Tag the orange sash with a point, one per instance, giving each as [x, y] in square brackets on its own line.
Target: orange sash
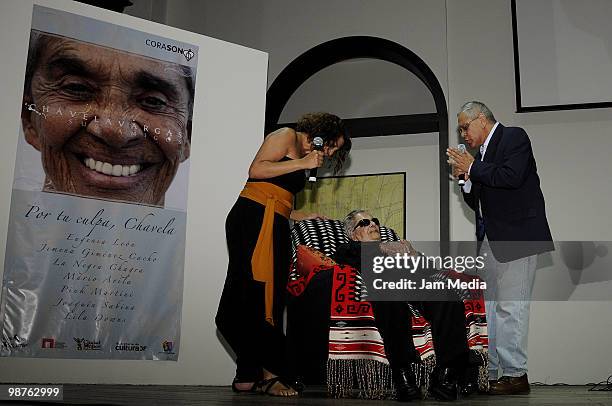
[276, 200]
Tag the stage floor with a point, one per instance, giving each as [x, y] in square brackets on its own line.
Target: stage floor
[141, 395]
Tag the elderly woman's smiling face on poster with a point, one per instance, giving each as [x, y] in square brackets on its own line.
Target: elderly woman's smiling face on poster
[108, 124]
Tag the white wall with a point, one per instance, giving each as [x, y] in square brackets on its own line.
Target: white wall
[289, 28]
[356, 88]
[152, 10]
[568, 340]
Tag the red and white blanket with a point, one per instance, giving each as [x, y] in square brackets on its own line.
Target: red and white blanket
[357, 359]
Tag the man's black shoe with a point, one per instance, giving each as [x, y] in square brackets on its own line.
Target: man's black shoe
[405, 385]
[443, 384]
[468, 381]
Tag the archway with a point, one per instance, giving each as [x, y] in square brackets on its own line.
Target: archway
[342, 49]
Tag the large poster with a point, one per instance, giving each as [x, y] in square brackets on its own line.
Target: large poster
[95, 251]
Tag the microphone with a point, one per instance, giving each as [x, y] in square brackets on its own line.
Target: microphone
[461, 181]
[317, 145]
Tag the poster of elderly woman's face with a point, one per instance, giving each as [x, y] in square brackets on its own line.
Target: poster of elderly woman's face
[96, 243]
[108, 123]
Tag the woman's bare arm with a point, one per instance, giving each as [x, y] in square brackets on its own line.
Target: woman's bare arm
[277, 145]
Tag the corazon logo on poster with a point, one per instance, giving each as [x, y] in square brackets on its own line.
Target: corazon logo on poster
[187, 53]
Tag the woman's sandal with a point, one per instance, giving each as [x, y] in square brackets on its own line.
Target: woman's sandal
[235, 388]
[265, 385]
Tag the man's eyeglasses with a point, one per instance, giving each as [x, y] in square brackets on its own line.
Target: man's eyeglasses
[366, 222]
[464, 128]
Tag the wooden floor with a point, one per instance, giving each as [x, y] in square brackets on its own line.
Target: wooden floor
[222, 395]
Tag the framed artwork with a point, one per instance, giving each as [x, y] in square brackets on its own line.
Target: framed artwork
[383, 195]
[562, 54]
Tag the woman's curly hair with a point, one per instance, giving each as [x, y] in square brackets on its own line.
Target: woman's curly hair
[331, 129]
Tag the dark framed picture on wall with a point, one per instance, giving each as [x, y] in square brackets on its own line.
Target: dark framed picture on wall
[562, 54]
[383, 194]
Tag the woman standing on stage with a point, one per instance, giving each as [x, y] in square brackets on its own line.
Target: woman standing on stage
[250, 314]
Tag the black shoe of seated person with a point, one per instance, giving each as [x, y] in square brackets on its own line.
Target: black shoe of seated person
[405, 385]
[468, 381]
[443, 384]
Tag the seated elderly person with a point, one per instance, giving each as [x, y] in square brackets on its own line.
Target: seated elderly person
[393, 320]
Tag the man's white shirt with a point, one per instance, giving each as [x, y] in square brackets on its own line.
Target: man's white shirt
[483, 149]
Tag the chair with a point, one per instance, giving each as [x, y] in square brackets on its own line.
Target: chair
[356, 364]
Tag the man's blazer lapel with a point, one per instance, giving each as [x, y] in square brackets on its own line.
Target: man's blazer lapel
[494, 143]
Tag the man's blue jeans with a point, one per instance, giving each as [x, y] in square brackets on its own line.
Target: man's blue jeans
[507, 301]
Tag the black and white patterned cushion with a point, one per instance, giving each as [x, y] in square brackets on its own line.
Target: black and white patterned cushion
[325, 236]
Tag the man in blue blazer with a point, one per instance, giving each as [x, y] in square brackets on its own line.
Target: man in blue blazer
[503, 188]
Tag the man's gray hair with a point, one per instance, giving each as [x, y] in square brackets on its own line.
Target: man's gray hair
[350, 221]
[473, 108]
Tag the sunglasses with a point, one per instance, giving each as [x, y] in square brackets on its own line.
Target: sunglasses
[366, 222]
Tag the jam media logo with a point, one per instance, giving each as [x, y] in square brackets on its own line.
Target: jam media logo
[186, 52]
[129, 347]
[51, 343]
[168, 347]
[14, 342]
[83, 344]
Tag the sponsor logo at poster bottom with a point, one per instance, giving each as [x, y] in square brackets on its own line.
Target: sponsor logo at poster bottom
[129, 347]
[52, 343]
[14, 342]
[83, 344]
[168, 347]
